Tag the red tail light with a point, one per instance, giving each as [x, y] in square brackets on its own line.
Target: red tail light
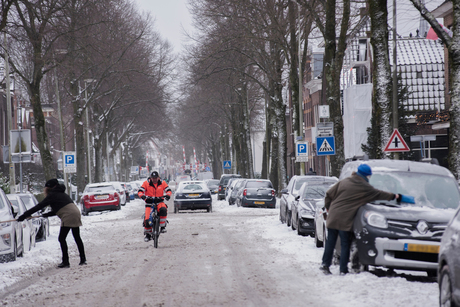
[220, 188]
[245, 192]
[273, 193]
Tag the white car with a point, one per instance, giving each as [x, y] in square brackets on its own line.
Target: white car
[28, 228]
[121, 191]
[11, 245]
[320, 224]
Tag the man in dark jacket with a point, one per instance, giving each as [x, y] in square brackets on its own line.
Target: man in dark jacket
[342, 202]
[62, 206]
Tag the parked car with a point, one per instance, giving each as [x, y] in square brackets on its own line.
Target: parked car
[131, 190]
[121, 191]
[228, 191]
[11, 243]
[404, 236]
[100, 197]
[213, 185]
[289, 194]
[125, 187]
[42, 224]
[320, 224]
[304, 206]
[256, 193]
[223, 182]
[28, 228]
[449, 264]
[192, 195]
[233, 189]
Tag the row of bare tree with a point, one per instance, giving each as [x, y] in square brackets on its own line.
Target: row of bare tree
[245, 61]
[112, 72]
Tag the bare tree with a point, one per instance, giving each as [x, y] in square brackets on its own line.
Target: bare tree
[453, 48]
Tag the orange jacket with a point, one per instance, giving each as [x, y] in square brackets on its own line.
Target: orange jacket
[154, 190]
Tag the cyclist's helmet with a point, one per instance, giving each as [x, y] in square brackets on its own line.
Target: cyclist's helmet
[154, 174]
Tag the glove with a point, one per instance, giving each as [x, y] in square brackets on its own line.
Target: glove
[143, 197]
[21, 218]
[167, 197]
[149, 200]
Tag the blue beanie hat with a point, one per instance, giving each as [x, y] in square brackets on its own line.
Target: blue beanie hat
[364, 170]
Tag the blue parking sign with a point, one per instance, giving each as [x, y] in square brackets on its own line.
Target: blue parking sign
[69, 159]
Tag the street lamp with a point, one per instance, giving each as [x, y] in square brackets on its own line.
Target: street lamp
[87, 128]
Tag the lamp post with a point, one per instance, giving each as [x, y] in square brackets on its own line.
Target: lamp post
[61, 130]
[10, 122]
[87, 129]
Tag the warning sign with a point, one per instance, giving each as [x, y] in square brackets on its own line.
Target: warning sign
[325, 146]
[396, 143]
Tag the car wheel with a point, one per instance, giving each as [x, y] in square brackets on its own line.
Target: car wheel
[288, 218]
[44, 233]
[318, 243]
[175, 209]
[292, 222]
[356, 264]
[210, 208]
[445, 288]
[13, 256]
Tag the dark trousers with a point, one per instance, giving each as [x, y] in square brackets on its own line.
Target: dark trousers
[345, 241]
[65, 250]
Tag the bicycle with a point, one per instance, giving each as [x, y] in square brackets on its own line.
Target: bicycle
[154, 219]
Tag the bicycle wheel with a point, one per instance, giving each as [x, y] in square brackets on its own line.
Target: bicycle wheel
[156, 232]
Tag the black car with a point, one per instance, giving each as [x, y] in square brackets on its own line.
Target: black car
[192, 195]
[304, 206]
[289, 194]
[449, 264]
[42, 224]
[403, 236]
[213, 185]
[223, 184]
[256, 193]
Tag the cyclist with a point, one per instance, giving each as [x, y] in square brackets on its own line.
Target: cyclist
[154, 187]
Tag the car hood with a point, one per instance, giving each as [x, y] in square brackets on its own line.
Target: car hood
[413, 213]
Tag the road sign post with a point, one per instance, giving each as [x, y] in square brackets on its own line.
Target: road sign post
[70, 162]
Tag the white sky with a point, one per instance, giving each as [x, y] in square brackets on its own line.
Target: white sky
[171, 18]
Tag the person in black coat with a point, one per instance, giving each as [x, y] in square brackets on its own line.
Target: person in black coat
[62, 206]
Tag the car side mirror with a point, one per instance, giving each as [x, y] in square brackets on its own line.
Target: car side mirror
[319, 205]
[284, 191]
[297, 197]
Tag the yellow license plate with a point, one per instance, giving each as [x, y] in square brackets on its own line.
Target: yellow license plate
[102, 196]
[194, 195]
[421, 248]
[259, 203]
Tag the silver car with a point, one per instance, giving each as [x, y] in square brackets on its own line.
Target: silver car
[11, 243]
[27, 226]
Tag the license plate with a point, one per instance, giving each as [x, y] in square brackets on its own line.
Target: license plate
[193, 195]
[421, 248]
[101, 196]
[259, 203]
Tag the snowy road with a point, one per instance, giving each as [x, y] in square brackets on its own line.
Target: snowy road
[230, 257]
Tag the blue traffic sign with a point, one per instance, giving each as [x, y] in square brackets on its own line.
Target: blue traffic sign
[69, 159]
[325, 146]
[302, 149]
[227, 164]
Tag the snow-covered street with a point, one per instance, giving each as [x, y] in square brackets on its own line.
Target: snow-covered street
[230, 257]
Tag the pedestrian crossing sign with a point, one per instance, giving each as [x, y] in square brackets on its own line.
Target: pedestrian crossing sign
[227, 164]
[325, 146]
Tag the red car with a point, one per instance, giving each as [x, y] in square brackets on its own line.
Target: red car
[99, 197]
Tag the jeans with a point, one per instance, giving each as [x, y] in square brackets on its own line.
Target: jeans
[345, 241]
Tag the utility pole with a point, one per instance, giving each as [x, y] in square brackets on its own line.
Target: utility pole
[61, 130]
[395, 78]
[302, 164]
[10, 120]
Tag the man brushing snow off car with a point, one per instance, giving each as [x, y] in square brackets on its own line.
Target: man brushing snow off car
[342, 202]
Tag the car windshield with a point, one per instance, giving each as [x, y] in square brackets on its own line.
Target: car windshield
[192, 187]
[213, 182]
[316, 191]
[428, 190]
[98, 189]
[258, 184]
[28, 201]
